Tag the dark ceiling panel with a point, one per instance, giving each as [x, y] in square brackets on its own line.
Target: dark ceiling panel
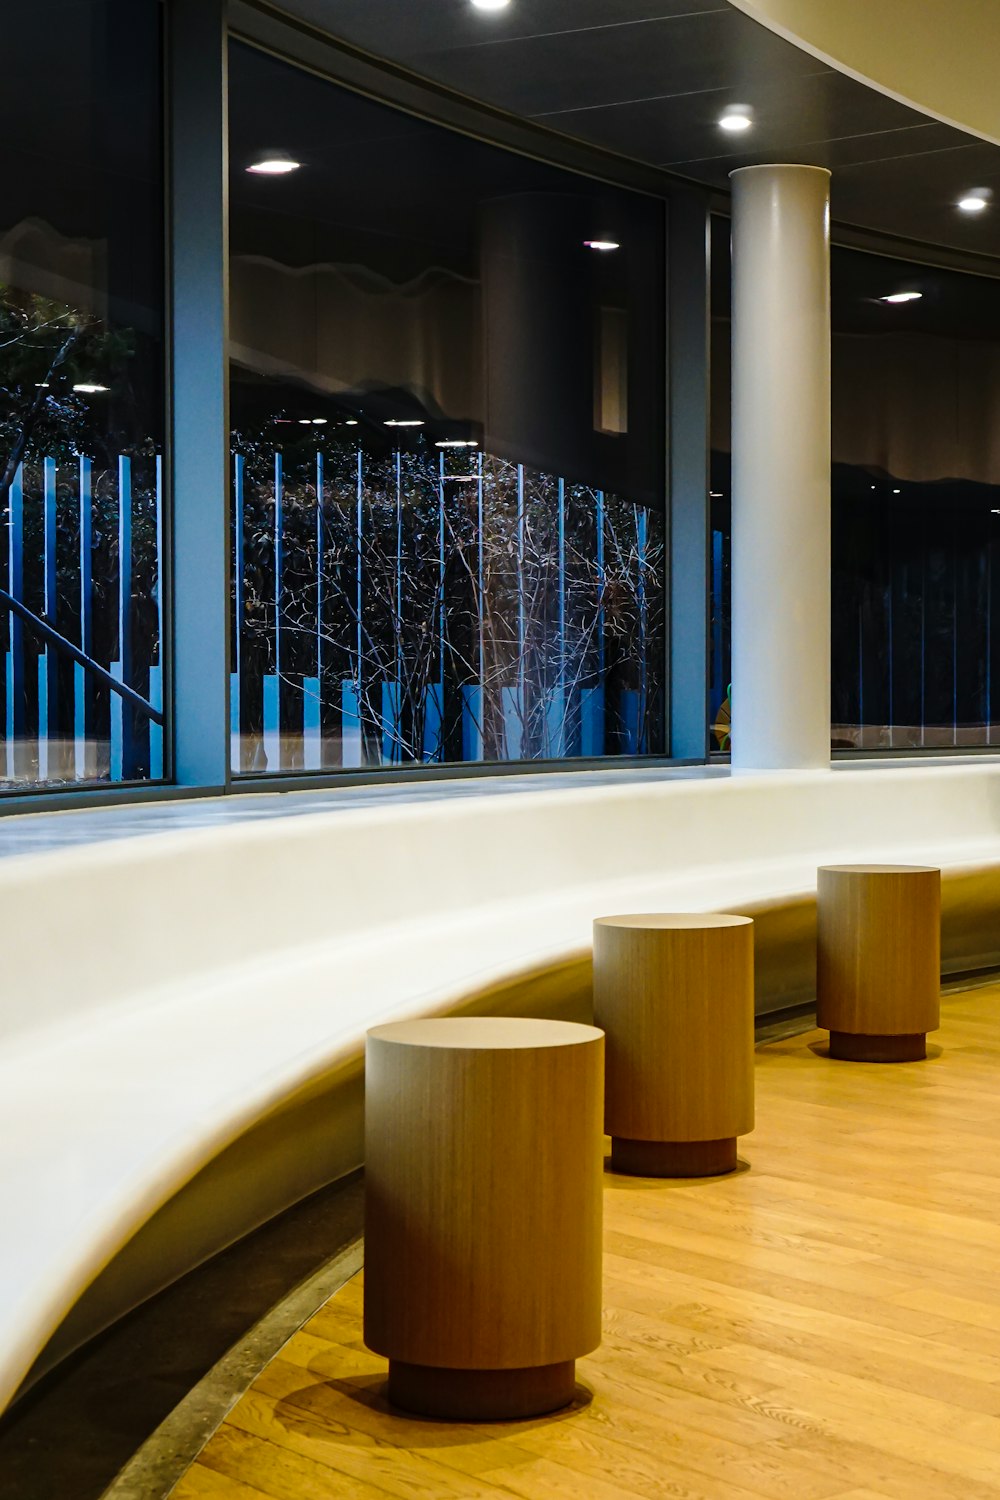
[649, 79]
[686, 55]
[835, 154]
[796, 118]
[410, 29]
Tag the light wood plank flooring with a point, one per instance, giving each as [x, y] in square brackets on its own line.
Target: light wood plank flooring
[825, 1324]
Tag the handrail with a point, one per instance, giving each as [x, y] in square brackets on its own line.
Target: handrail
[50, 635]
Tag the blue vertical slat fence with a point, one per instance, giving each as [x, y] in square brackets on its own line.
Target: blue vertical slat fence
[392, 749]
[601, 579]
[631, 723]
[126, 714]
[49, 727]
[61, 742]
[350, 721]
[272, 734]
[555, 707]
[579, 714]
[272, 684]
[239, 588]
[320, 560]
[156, 767]
[312, 687]
[572, 716]
[513, 706]
[352, 734]
[641, 547]
[472, 722]
[433, 749]
[568, 716]
[312, 743]
[592, 720]
[592, 699]
[433, 746]
[17, 716]
[513, 727]
[392, 692]
[473, 697]
[84, 727]
[399, 567]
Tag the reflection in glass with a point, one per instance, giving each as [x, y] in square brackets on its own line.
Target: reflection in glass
[81, 407]
[915, 504]
[448, 446]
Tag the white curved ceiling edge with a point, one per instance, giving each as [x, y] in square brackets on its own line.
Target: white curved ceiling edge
[939, 56]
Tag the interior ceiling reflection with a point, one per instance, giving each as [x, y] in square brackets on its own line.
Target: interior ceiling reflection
[916, 385]
[70, 192]
[408, 272]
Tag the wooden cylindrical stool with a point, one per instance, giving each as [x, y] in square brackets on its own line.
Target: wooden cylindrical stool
[878, 960]
[674, 993]
[483, 1212]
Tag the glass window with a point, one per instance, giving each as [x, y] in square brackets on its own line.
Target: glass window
[915, 503]
[81, 392]
[720, 502]
[447, 409]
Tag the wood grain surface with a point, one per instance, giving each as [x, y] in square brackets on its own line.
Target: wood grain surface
[483, 1185]
[674, 993]
[825, 1327]
[878, 949]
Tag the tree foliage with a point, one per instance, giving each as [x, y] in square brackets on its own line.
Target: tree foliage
[471, 586]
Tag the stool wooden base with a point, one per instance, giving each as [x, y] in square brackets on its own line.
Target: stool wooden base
[673, 1158]
[481, 1395]
[850, 1046]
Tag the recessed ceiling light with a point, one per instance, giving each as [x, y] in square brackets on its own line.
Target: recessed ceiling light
[91, 390]
[491, 4]
[396, 422]
[320, 421]
[975, 201]
[305, 422]
[602, 244]
[738, 117]
[897, 492]
[351, 422]
[456, 443]
[274, 166]
[902, 297]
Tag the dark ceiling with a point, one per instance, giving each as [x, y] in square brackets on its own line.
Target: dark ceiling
[649, 79]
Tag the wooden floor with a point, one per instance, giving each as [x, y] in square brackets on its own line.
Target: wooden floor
[825, 1323]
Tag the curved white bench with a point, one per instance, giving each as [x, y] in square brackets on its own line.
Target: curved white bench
[183, 1014]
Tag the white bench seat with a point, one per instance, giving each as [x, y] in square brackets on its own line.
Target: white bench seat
[113, 1100]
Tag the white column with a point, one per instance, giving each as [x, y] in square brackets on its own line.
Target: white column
[781, 468]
